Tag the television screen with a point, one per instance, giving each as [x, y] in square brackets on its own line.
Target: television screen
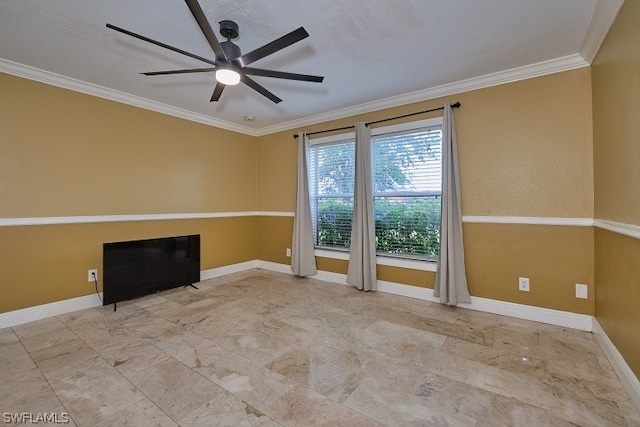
[140, 267]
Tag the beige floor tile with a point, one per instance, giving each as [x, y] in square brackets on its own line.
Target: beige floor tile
[304, 407]
[14, 359]
[7, 336]
[550, 394]
[102, 333]
[490, 356]
[142, 413]
[211, 327]
[256, 346]
[174, 388]
[400, 341]
[191, 349]
[335, 378]
[27, 392]
[78, 317]
[261, 348]
[227, 411]
[254, 385]
[483, 405]
[95, 393]
[62, 359]
[463, 330]
[43, 333]
[391, 407]
[131, 356]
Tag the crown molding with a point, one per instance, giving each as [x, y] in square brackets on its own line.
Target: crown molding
[603, 17]
[557, 65]
[47, 77]
[565, 63]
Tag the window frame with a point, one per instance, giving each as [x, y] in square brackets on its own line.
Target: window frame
[399, 260]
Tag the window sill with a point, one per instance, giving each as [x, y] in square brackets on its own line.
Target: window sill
[412, 264]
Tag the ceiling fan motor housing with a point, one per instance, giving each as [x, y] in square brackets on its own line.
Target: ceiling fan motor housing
[229, 29]
[231, 50]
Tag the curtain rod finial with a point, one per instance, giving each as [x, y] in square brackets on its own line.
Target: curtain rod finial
[456, 105]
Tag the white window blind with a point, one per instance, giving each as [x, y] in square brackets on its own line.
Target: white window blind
[406, 184]
[331, 178]
[407, 189]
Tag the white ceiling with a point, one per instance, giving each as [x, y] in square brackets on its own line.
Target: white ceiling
[373, 53]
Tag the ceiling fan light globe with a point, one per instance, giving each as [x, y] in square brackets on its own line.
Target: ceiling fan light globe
[227, 76]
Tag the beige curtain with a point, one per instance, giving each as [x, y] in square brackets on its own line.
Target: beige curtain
[451, 278]
[303, 260]
[361, 272]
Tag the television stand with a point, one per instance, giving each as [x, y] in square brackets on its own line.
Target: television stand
[190, 284]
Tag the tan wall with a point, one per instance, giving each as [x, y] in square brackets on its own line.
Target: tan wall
[618, 292]
[525, 149]
[63, 153]
[42, 264]
[616, 109]
[554, 258]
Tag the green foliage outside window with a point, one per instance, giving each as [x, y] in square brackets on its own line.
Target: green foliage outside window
[334, 223]
[409, 226]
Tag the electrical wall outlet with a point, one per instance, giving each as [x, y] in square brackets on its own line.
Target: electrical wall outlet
[582, 291]
[523, 284]
[288, 251]
[91, 273]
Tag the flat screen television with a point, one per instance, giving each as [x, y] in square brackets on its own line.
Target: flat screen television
[139, 267]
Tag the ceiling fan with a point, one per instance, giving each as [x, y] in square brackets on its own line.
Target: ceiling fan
[230, 65]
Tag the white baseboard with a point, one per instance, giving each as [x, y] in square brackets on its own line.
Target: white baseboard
[626, 375]
[565, 319]
[38, 312]
[520, 311]
[275, 266]
[227, 269]
[537, 314]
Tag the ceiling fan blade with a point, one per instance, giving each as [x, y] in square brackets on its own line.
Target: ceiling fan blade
[282, 75]
[258, 88]
[217, 92]
[269, 48]
[186, 71]
[157, 43]
[204, 25]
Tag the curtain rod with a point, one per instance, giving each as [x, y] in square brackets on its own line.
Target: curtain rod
[455, 105]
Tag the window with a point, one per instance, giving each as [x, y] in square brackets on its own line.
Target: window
[406, 184]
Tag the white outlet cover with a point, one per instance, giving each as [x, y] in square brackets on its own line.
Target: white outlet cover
[90, 275]
[582, 291]
[523, 284]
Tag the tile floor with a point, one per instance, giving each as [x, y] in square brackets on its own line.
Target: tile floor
[260, 348]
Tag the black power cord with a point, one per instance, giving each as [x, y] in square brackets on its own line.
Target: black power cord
[95, 279]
